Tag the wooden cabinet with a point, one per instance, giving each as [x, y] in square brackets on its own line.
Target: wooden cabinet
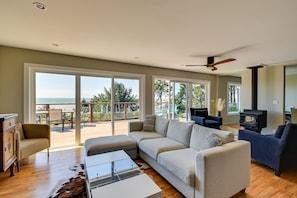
[8, 152]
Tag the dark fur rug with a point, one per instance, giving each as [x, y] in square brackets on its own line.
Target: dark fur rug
[74, 187]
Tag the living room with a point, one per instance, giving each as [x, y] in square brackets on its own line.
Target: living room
[14, 54]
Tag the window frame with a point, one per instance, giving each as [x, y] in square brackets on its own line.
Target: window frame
[238, 97]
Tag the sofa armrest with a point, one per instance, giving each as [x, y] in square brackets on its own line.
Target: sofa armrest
[223, 171]
[216, 118]
[135, 126]
[36, 131]
[265, 148]
[198, 120]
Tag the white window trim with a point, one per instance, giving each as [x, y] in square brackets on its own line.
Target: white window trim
[29, 81]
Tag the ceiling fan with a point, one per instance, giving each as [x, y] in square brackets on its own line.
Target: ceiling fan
[211, 64]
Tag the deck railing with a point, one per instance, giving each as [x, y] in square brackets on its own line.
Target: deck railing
[90, 111]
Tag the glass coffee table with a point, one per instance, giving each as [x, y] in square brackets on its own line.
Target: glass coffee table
[114, 174]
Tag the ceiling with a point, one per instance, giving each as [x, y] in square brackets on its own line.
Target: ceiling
[160, 33]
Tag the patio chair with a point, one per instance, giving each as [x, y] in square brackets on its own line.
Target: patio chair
[56, 117]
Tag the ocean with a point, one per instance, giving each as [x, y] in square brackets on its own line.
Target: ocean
[57, 100]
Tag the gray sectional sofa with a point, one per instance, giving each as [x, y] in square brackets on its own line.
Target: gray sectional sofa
[200, 162]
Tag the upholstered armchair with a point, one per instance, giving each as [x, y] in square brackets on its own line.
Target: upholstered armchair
[201, 117]
[278, 151]
[31, 138]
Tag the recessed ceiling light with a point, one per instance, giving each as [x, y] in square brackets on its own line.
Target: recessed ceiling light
[39, 6]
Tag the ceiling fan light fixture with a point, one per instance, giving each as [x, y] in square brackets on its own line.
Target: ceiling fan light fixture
[39, 6]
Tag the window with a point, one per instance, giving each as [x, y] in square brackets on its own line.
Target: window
[233, 98]
[174, 97]
[92, 103]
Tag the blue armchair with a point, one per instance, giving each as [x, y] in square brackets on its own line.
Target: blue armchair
[278, 151]
[201, 117]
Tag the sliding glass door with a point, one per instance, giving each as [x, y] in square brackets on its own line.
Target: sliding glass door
[180, 102]
[95, 107]
[126, 103]
[81, 104]
[55, 105]
[174, 98]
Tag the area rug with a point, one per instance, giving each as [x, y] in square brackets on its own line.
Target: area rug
[75, 187]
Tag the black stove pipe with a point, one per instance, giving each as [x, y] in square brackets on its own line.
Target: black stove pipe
[255, 86]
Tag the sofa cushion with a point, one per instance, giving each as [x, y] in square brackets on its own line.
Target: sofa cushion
[153, 147]
[180, 163]
[19, 128]
[142, 135]
[32, 146]
[161, 125]
[211, 122]
[104, 144]
[180, 131]
[135, 126]
[279, 131]
[149, 122]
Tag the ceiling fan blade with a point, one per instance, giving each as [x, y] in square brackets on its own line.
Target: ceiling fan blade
[211, 64]
[195, 65]
[223, 61]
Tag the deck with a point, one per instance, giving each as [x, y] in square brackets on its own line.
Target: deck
[61, 138]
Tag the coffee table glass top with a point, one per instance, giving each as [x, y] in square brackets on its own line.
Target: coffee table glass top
[110, 167]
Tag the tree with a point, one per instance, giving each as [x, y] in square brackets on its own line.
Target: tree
[198, 92]
[161, 89]
[180, 99]
[121, 94]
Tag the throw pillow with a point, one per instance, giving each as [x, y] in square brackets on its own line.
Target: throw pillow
[202, 138]
[149, 123]
[225, 136]
[279, 132]
[161, 125]
[19, 128]
[212, 140]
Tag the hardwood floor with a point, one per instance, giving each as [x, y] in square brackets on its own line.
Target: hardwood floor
[38, 176]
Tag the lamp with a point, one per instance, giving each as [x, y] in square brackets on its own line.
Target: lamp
[220, 105]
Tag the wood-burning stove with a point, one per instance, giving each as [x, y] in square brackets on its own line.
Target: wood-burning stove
[253, 120]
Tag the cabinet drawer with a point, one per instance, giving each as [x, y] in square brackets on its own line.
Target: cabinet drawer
[9, 123]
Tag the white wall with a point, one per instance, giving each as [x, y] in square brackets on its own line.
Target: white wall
[291, 89]
[246, 90]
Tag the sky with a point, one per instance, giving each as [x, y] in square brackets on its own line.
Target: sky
[63, 86]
